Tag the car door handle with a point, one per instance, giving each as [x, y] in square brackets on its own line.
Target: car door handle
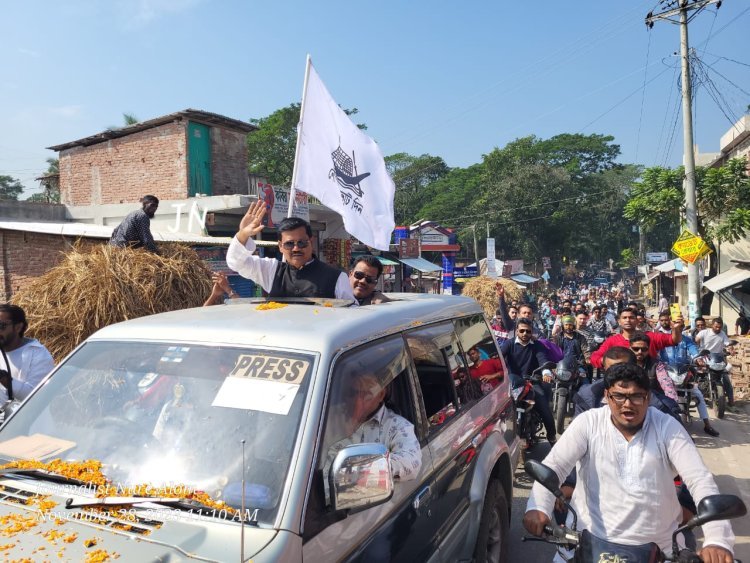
[420, 501]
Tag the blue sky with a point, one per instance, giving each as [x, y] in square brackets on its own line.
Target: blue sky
[453, 79]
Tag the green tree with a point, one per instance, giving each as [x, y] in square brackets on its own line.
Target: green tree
[10, 188]
[271, 146]
[557, 197]
[722, 196]
[412, 175]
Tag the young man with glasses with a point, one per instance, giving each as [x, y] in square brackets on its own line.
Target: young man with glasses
[627, 455]
[299, 274]
[364, 277]
[29, 360]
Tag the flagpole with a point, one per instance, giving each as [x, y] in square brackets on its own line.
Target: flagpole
[293, 189]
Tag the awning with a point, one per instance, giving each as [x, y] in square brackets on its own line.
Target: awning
[386, 262]
[650, 277]
[420, 264]
[523, 278]
[671, 266]
[731, 277]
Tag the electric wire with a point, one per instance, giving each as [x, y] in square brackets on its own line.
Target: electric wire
[643, 98]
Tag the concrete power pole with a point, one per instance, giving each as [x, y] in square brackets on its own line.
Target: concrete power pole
[676, 11]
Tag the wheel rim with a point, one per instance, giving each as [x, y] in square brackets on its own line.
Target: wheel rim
[494, 537]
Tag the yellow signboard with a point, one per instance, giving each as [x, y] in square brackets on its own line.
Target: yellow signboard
[690, 247]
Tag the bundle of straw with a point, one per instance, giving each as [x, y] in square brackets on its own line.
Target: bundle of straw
[482, 289]
[96, 286]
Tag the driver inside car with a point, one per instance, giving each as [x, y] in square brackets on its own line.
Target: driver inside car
[365, 418]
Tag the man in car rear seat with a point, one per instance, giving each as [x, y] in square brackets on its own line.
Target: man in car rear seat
[300, 274]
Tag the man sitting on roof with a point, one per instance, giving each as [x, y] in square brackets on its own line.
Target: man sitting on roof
[299, 274]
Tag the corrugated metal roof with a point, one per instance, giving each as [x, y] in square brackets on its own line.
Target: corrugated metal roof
[104, 231]
[421, 264]
[192, 114]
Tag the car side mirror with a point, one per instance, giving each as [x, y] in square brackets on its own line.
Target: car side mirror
[360, 477]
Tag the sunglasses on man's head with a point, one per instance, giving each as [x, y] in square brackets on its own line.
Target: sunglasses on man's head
[290, 244]
[363, 276]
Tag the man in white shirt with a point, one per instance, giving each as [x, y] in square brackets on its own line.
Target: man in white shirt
[713, 339]
[29, 360]
[300, 274]
[627, 455]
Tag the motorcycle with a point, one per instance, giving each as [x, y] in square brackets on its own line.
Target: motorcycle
[528, 422]
[710, 379]
[588, 548]
[683, 377]
[568, 378]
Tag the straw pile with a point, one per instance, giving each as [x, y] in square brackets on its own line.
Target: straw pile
[96, 286]
[482, 289]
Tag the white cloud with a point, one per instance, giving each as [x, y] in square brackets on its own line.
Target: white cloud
[29, 52]
[70, 111]
[138, 13]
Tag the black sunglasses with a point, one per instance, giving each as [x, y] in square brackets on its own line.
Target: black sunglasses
[363, 276]
[290, 244]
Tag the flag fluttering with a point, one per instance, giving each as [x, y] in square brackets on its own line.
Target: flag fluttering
[341, 166]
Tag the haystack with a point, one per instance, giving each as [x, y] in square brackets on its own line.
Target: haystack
[482, 289]
[97, 286]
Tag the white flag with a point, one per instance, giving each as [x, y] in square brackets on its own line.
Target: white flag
[341, 166]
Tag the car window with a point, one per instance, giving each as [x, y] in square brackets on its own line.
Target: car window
[369, 401]
[440, 366]
[486, 368]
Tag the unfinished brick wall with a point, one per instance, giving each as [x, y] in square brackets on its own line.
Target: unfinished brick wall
[25, 256]
[741, 368]
[229, 161]
[122, 170]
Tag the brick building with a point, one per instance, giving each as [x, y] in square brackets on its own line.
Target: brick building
[174, 157]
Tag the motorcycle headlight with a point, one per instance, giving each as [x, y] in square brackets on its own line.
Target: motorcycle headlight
[717, 366]
[564, 374]
[515, 393]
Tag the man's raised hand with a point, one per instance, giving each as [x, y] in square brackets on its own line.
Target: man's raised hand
[252, 222]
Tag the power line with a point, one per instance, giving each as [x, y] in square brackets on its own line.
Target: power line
[643, 98]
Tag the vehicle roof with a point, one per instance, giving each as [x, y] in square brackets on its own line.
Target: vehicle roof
[296, 326]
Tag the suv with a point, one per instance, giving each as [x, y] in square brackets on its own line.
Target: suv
[244, 410]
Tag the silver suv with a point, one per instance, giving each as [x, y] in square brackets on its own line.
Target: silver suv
[240, 420]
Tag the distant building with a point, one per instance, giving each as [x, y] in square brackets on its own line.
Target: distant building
[176, 156]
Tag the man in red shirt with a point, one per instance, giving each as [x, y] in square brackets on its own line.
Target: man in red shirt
[627, 322]
[487, 371]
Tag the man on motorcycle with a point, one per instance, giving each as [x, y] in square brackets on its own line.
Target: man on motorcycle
[679, 356]
[572, 343]
[522, 356]
[714, 339]
[627, 456]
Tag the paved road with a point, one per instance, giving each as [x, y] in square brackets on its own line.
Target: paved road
[728, 458]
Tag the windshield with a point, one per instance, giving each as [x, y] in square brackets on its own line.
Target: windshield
[171, 416]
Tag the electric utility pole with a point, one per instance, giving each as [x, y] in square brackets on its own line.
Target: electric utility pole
[678, 12]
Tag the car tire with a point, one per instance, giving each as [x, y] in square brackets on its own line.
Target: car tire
[494, 527]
